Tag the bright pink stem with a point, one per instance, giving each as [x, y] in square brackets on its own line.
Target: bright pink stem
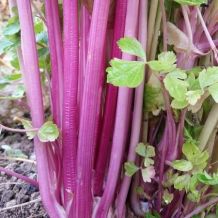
[34, 94]
[55, 47]
[19, 176]
[90, 107]
[111, 103]
[70, 105]
[121, 121]
[137, 113]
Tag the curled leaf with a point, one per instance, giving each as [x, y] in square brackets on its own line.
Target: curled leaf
[48, 132]
[180, 41]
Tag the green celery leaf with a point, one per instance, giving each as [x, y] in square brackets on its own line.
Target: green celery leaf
[131, 46]
[48, 132]
[140, 149]
[207, 179]
[150, 151]
[125, 73]
[130, 168]
[167, 196]
[12, 27]
[148, 162]
[176, 87]
[182, 165]
[191, 2]
[148, 173]
[27, 124]
[181, 182]
[213, 90]
[193, 96]
[194, 196]
[152, 99]
[190, 150]
[208, 77]
[179, 104]
[165, 63]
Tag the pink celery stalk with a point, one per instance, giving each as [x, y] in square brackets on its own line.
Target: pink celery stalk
[89, 111]
[55, 47]
[34, 95]
[56, 53]
[121, 121]
[111, 102]
[84, 35]
[137, 113]
[19, 176]
[70, 105]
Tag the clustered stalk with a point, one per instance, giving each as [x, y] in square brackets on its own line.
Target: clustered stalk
[121, 147]
[31, 77]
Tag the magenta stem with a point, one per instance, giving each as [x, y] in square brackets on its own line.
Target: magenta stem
[90, 109]
[137, 113]
[19, 176]
[70, 104]
[121, 121]
[111, 103]
[34, 94]
[55, 47]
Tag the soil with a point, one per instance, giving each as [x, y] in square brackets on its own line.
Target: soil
[14, 192]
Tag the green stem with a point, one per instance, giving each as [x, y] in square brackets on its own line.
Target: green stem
[208, 127]
[151, 23]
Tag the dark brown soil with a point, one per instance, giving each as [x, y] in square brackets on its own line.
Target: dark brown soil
[13, 191]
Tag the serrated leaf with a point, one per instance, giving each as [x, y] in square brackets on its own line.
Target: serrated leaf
[191, 2]
[182, 165]
[148, 173]
[179, 104]
[148, 162]
[181, 182]
[176, 87]
[207, 179]
[48, 132]
[208, 77]
[140, 149]
[165, 63]
[131, 46]
[130, 168]
[125, 73]
[194, 196]
[167, 196]
[190, 150]
[150, 151]
[193, 96]
[180, 40]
